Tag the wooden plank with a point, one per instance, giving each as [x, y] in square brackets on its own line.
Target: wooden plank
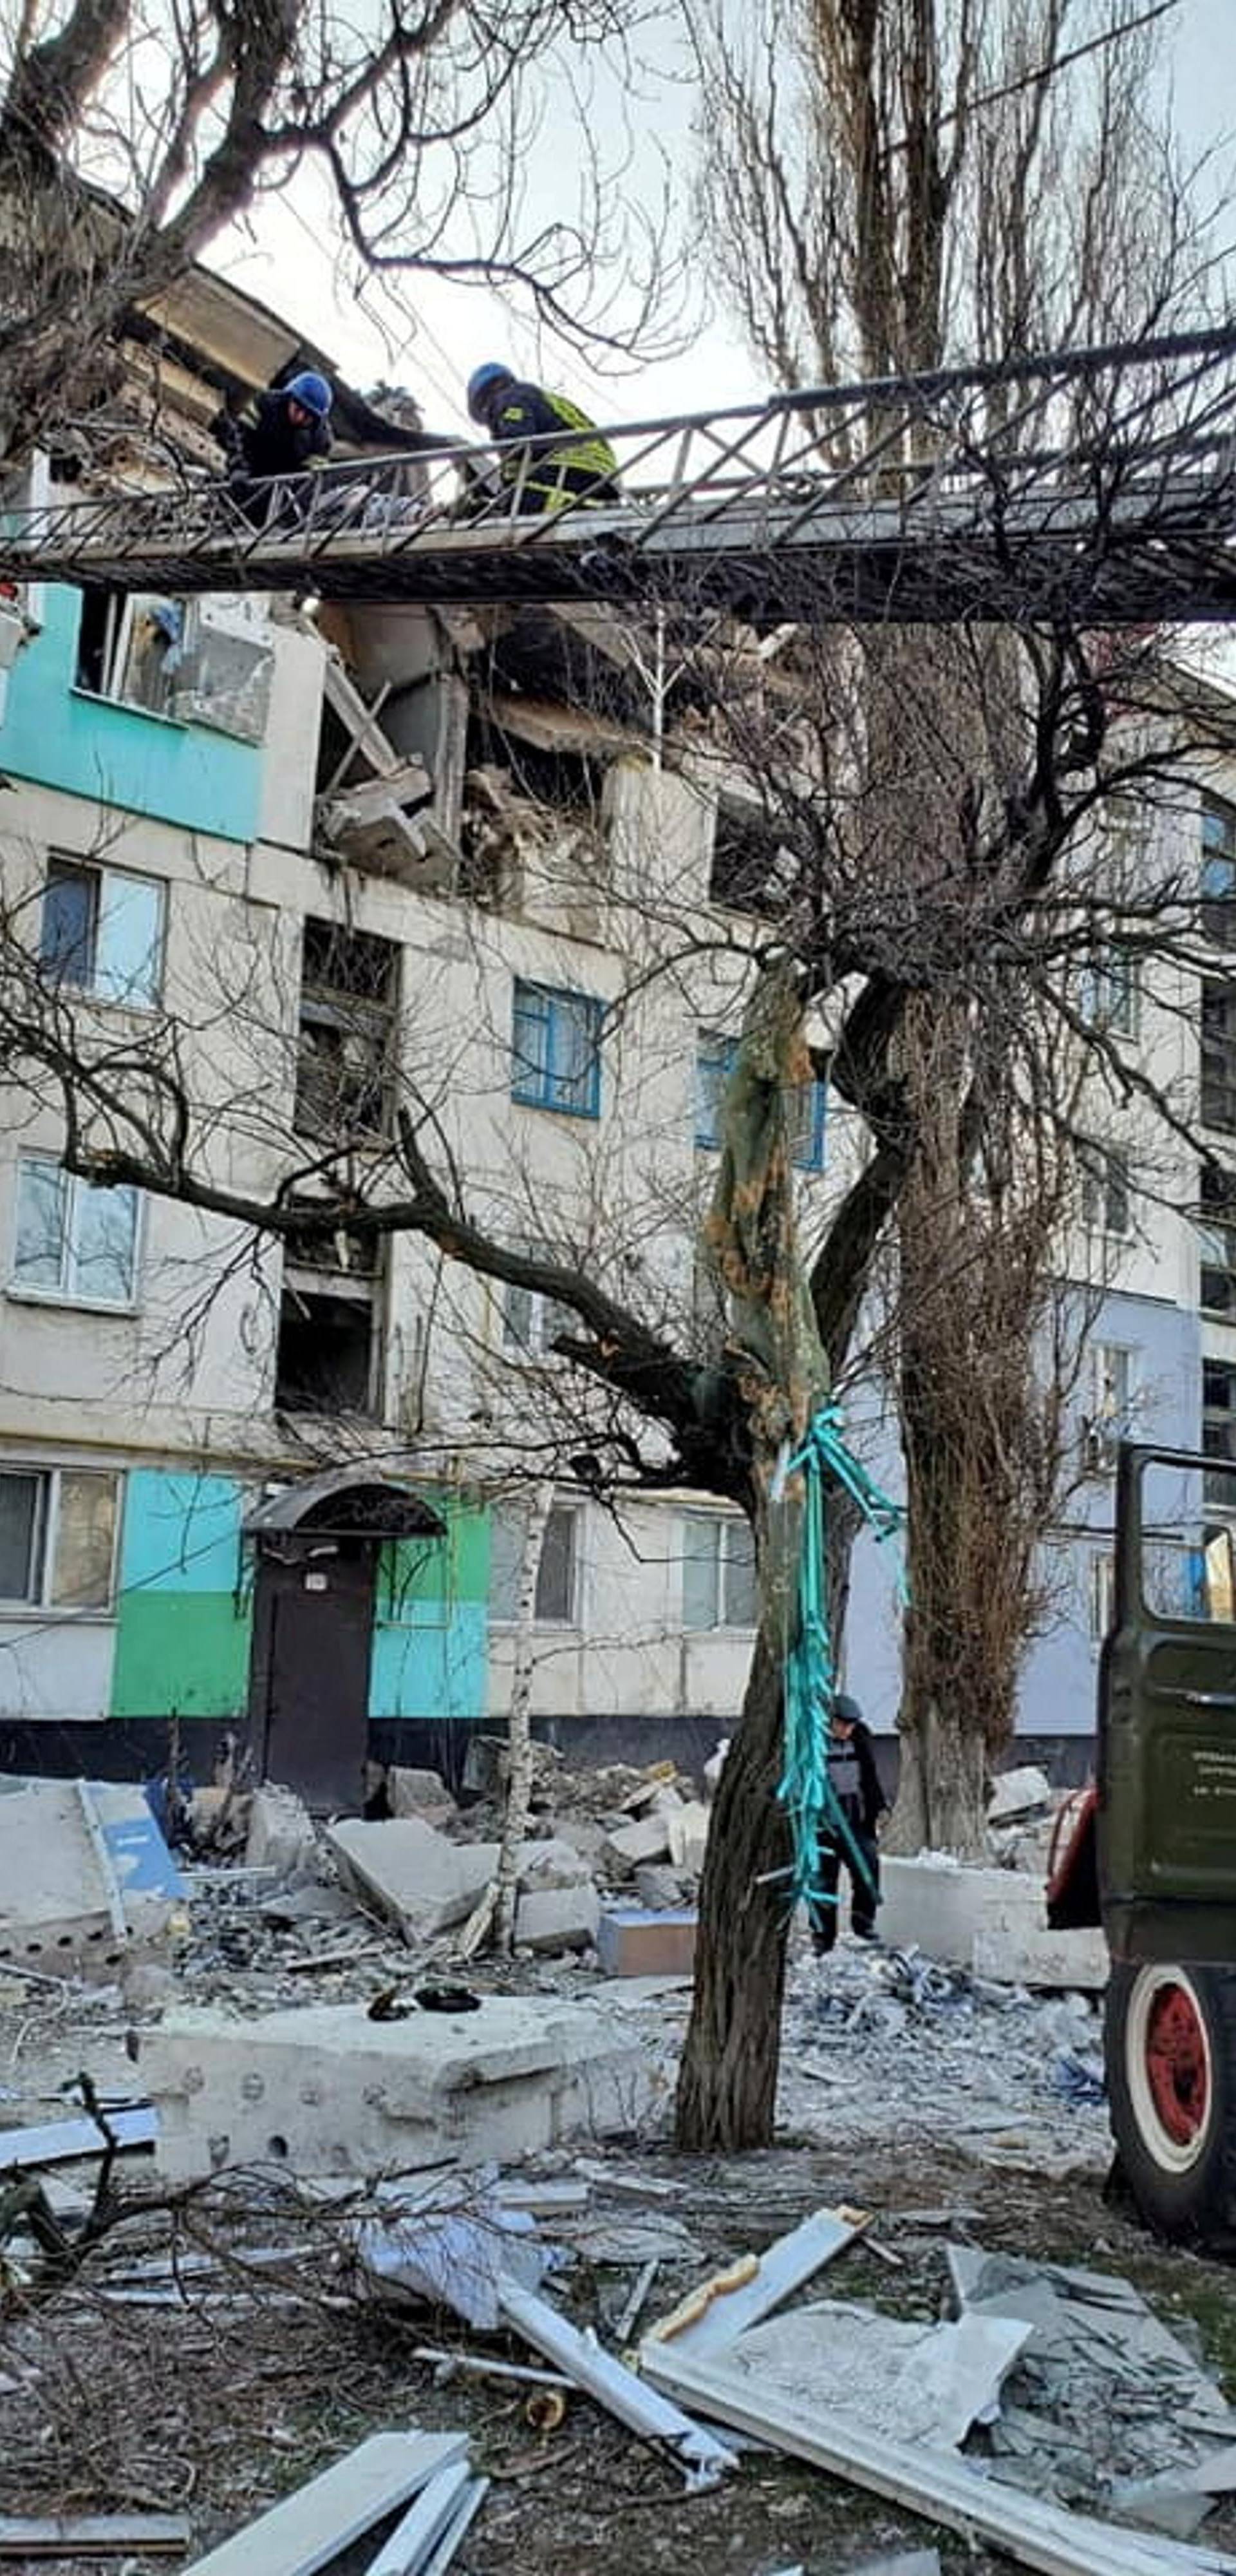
[311, 2527]
[423, 2525]
[936, 2484]
[98, 2535]
[60, 2140]
[783, 2268]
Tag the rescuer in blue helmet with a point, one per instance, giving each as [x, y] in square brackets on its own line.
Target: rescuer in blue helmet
[580, 465]
[285, 431]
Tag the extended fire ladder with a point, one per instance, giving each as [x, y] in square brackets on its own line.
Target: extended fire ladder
[1093, 486]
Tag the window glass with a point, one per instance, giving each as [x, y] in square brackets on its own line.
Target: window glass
[555, 1588]
[714, 1063]
[21, 1522]
[67, 930]
[81, 1577]
[1217, 1236]
[1219, 872]
[130, 939]
[574, 1052]
[1104, 1188]
[741, 1599]
[700, 1569]
[531, 1043]
[555, 1045]
[1187, 1557]
[1219, 1055]
[42, 1200]
[104, 1235]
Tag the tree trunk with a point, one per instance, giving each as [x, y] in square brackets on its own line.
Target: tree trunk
[727, 2082]
[941, 1789]
[495, 1910]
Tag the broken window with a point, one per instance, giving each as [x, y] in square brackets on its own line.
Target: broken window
[1219, 871]
[557, 1575]
[531, 1323]
[325, 1357]
[718, 1573]
[206, 662]
[751, 870]
[101, 931]
[1218, 1103]
[347, 1025]
[72, 1242]
[1104, 1171]
[57, 1537]
[1217, 1232]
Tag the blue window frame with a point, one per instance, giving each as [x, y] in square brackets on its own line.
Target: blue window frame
[808, 1109]
[556, 1050]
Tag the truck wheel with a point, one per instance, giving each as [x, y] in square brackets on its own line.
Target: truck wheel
[1170, 2043]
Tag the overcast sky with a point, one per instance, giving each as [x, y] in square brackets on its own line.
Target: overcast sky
[436, 333]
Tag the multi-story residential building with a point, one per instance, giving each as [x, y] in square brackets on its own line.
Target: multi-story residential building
[384, 861]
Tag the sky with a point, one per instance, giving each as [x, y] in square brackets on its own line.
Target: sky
[430, 335]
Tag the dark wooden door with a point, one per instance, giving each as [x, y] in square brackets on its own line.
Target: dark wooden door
[309, 1677]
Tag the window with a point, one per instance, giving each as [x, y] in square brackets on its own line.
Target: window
[1219, 872]
[1219, 1427]
[102, 931]
[72, 1241]
[718, 1573]
[1104, 1173]
[1102, 1597]
[57, 1538]
[557, 1582]
[531, 1323]
[130, 646]
[1217, 1233]
[751, 872]
[205, 661]
[1219, 1055]
[556, 1049]
[349, 982]
[1109, 997]
[1113, 1390]
[324, 1361]
[807, 1108]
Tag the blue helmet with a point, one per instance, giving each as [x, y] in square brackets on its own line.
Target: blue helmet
[485, 380]
[312, 392]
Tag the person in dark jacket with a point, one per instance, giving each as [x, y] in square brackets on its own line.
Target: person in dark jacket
[855, 1783]
[580, 466]
[287, 431]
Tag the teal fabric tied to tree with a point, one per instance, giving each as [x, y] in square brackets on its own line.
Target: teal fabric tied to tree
[810, 1681]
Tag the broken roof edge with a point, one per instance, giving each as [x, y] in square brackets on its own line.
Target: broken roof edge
[331, 1505]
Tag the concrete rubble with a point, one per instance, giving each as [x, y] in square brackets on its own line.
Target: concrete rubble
[85, 1875]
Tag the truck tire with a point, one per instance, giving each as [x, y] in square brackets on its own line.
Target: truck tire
[1170, 2045]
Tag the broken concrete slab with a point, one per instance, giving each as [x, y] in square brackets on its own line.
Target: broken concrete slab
[688, 1836]
[661, 1889]
[912, 2383]
[647, 1839]
[633, 1943]
[1045, 1960]
[418, 1879]
[418, 1793]
[320, 2520]
[324, 2090]
[1026, 1791]
[558, 1918]
[945, 1908]
[552, 1864]
[84, 1871]
[281, 1832]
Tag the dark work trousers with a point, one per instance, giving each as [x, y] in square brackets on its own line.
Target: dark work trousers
[864, 1898]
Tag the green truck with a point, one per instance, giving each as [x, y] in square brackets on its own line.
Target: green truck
[1150, 1851]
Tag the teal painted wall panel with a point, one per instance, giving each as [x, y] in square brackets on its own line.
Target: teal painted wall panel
[181, 1533]
[115, 755]
[428, 1668]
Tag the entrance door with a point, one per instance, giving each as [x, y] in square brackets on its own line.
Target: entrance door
[309, 1675]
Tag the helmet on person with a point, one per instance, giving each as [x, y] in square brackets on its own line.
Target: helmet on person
[312, 392]
[485, 380]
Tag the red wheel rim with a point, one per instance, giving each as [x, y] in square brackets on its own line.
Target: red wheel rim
[1177, 2065]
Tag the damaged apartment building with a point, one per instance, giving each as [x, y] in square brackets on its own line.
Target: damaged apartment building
[377, 863]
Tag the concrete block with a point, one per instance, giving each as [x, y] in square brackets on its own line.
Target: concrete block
[1025, 1792]
[647, 1839]
[661, 1890]
[552, 1864]
[55, 1908]
[584, 1835]
[281, 1832]
[631, 1943]
[1078, 1960]
[323, 2090]
[418, 1793]
[415, 1876]
[688, 1836]
[558, 1918]
[992, 1921]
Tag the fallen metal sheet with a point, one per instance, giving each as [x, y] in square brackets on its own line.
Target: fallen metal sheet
[457, 2530]
[321, 2519]
[91, 2535]
[935, 2484]
[60, 2140]
[454, 2251]
[406, 2547]
[782, 2269]
[703, 2457]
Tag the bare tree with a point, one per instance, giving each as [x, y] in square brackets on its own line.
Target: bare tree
[133, 133]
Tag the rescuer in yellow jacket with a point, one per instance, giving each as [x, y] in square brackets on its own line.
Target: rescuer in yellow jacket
[580, 466]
